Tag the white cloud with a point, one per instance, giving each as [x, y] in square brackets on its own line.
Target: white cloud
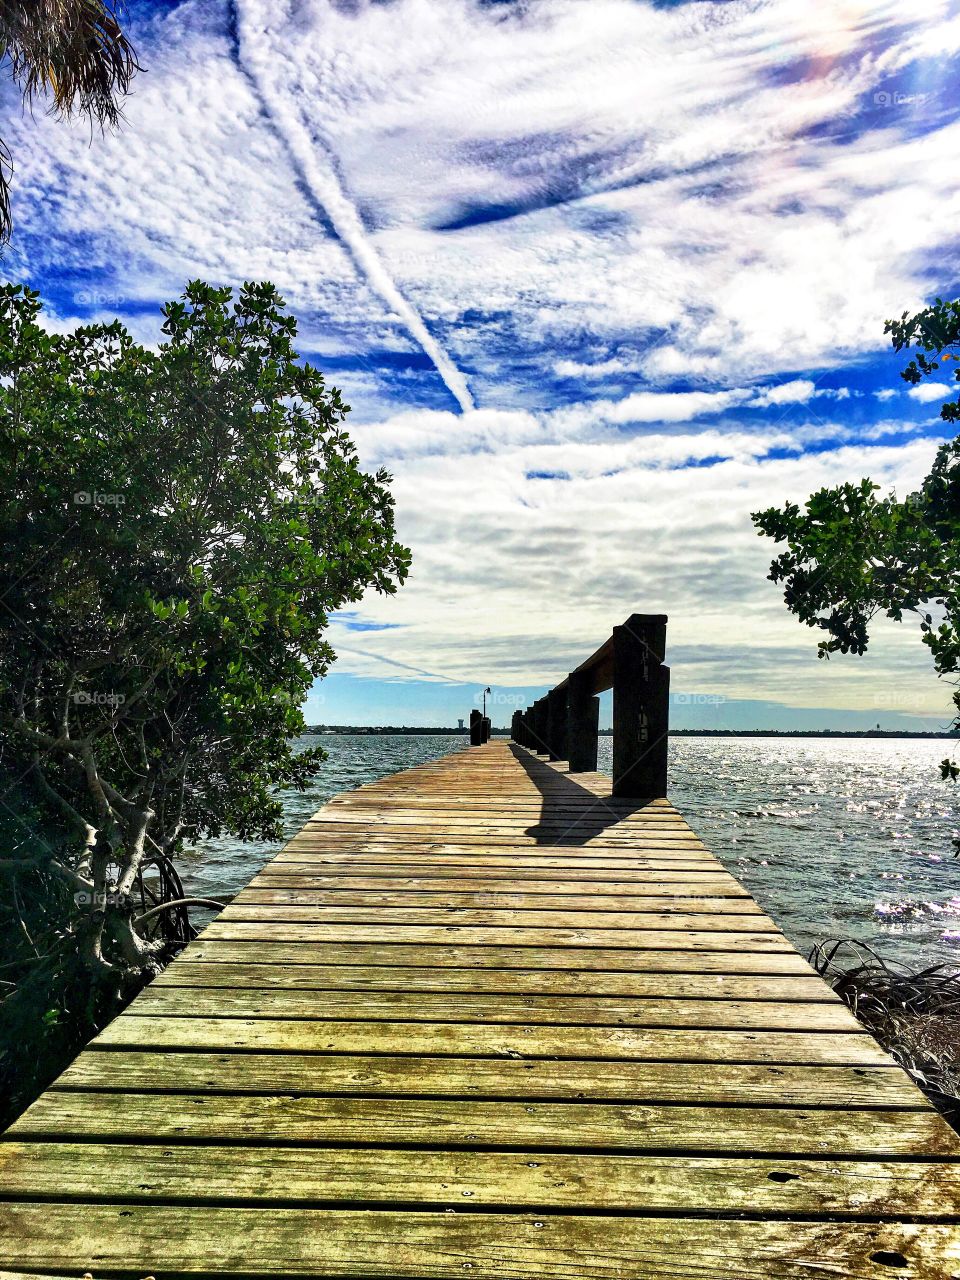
[714, 208]
[798, 391]
[619, 525]
[925, 392]
[685, 203]
[600, 369]
[650, 406]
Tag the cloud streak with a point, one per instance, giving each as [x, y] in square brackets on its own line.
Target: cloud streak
[316, 164]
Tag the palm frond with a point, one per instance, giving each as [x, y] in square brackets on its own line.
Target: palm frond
[6, 169]
[73, 50]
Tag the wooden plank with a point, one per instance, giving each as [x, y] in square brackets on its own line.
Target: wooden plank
[505, 783]
[431, 1122]
[514, 829]
[460, 1006]
[500, 790]
[493, 1246]
[389, 821]
[655, 939]
[598, 843]
[435, 955]
[596, 824]
[538, 861]
[545, 816]
[531, 836]
[374, 840]
[482, 879]
[533, 1179]
[476, 1040]
[608, 921]
[566, 982]
[406, 899]
[503, 813]
[486, 807]
[497, 802]
[131, 1070]
[523, 834]
[528, 835]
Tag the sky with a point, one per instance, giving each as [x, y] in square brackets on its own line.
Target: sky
[599, 278]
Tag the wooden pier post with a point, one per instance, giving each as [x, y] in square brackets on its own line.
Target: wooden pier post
[476, 728]
[557, 723]
[641, 707]
[540, 727]
[583, 719]
[563, 724]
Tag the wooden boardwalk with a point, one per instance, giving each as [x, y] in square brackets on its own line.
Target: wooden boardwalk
[476, 1020]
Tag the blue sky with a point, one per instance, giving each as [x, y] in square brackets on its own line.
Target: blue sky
[598, 277]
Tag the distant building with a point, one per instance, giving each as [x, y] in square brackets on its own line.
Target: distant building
[460, 723]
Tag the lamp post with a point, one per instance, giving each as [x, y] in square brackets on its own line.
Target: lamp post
[484, 720]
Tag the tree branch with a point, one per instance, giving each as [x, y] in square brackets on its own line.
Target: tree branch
[179, 902]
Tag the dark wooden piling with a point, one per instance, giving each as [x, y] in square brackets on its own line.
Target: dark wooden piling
[557, 723]
[583, 719]
[540, 727]
[564, 723]
[641, 707]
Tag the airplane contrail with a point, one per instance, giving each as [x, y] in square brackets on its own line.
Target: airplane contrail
[321, 179]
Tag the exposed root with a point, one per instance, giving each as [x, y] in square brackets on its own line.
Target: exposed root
[914, 1014]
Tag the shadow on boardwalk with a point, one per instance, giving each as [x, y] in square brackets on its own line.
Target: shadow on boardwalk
[571, 813]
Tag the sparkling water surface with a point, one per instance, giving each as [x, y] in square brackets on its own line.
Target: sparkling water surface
[837, 837]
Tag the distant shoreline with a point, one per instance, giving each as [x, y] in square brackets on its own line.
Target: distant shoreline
[399, 731]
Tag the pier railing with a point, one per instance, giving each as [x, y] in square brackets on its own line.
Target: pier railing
[479, 729]
[563, 724]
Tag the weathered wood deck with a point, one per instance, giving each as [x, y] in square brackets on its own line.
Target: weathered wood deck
[476, 1020]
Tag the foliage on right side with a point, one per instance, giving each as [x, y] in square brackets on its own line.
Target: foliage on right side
[852, 553]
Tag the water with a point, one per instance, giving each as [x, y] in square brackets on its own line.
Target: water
[835, 838]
